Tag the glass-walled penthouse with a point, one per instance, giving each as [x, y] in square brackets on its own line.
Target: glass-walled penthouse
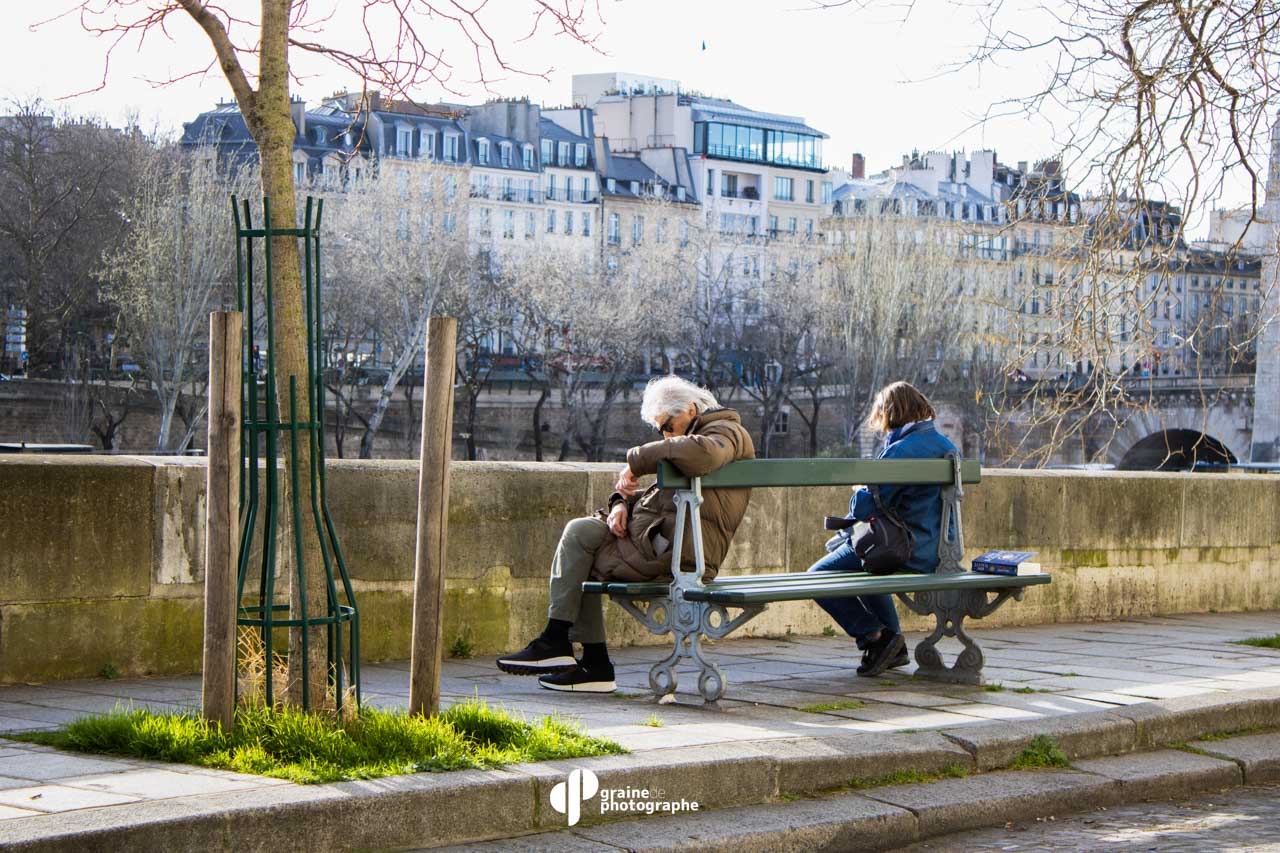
[753, 144]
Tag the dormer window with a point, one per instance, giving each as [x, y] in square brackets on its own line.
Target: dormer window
[319, 135]
[528, 156]
[562, 149]
[428, 144]
[547, 146]
[579, 155]
[679, 193]
[404, 141]
[504, 154]
[451, 147]
[611, 185]
[482, 151]
[635, 188]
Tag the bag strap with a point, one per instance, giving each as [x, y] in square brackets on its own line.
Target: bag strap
[890, 514]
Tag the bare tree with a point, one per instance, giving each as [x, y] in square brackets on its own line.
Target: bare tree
[63, 181]
[173, 268]
[396, 231]
[891, 284]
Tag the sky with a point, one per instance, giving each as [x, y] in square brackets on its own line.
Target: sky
[877, 82]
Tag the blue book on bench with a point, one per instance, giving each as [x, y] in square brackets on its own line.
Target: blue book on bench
[1011, 563]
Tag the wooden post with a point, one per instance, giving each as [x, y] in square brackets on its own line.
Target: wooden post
[433, 517]
[222, 518]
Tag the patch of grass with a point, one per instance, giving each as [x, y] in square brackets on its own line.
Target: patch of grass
[1029, 690]
[909, 777]
[1071, 675]
[828, 631]
[313, 748]
[842, 705]
[1043, 752]
[1272, 642]
[109, 671]
[993, 688]
[887, 682]
[654, 720]
[1230, 733]
[788, 797]
[461, 647]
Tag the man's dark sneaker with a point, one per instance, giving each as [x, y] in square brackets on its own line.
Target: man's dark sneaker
[597, 679]
[888, 651]
[539, 657]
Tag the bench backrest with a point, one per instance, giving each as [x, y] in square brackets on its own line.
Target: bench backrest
[824, 472]
[818, 472]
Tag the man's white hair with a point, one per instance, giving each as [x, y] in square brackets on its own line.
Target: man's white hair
[671, 395]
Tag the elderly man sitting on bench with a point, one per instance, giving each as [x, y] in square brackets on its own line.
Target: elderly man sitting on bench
[631, 539]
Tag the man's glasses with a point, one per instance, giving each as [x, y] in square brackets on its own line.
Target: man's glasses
[665, 426]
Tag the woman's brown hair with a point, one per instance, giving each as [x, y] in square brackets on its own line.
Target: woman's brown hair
[898, 404]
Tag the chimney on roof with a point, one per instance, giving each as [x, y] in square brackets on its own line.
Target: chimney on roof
[858, 167]
[1022, 166]
[298, 107]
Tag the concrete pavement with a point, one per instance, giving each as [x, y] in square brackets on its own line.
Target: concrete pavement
[796, 720]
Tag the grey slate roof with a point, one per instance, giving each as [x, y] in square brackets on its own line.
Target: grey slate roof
[728, 112]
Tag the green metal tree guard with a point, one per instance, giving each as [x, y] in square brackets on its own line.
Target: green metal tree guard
[264, 434]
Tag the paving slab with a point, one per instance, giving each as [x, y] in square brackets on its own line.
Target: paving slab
[1257, 755]
[60, 798]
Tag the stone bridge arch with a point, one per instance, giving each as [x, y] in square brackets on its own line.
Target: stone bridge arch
[1183, 435]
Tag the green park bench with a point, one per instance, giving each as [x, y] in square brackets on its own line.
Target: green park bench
[689, 609]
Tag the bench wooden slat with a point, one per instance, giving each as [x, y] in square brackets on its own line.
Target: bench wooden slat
[764, 473]
[859, 584]
[647, 588]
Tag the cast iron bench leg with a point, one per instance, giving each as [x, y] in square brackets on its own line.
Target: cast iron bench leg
[688, 621]
[949, 609]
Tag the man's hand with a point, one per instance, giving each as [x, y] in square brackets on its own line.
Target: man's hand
[627, 484]
[618, 521]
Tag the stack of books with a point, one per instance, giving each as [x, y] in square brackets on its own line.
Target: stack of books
[1013, 563]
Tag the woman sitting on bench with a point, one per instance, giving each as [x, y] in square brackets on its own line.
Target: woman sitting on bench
[906, 416]
[631, 540]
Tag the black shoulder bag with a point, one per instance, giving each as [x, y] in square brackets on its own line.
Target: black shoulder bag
[886, 546]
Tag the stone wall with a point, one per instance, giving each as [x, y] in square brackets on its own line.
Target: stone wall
[100, 557]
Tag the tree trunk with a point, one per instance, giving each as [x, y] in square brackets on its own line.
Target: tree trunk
[537, 423]
[271, 122]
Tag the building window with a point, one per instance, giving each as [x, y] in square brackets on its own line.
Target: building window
[428, 144]
[504, 154]
[791, 225]
[562, 154]
[551, 187]
[826, 192]
[780, 422]
[530, 225]
[528, 190]
[404, 141]
[711, 182]
[507, 193]
[611, 184]
[808, 228]
[482, 151]
[586, 190]
[680, 194]
[579, 155]
[808, 191]
[773, 226]
[508, 224]
[615, 229]
[637, 230]
[450, 223]
[586, 223]
[635, 188]
[528, 157]
[568, 222]
[551, 222]
[451, 147]
[299, 172]
[684, 233]
[486, 224]
[783, 189]
[450, 187]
